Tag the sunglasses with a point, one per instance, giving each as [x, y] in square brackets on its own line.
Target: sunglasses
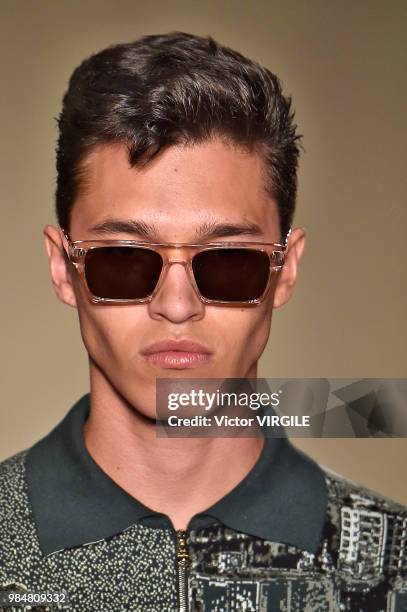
[129, 271]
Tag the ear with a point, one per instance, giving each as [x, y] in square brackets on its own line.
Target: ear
[59, 265]
[288, 275]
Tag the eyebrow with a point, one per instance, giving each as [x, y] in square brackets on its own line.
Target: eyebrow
[207, 230]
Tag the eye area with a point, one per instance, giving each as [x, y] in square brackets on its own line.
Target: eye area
[220, 273]
[231, 274]
[122, 272]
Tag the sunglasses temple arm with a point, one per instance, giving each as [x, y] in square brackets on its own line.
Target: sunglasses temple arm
[67, 249]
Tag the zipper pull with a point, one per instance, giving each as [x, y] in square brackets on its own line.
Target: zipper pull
[183, 562]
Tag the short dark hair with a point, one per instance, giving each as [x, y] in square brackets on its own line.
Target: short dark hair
[163, 90]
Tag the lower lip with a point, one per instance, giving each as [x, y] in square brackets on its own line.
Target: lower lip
[177, 359]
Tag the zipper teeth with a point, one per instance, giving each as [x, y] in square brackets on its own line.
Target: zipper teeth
[182, 567]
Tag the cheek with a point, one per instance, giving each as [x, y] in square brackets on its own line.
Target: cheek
[247, 330]
[107, 333]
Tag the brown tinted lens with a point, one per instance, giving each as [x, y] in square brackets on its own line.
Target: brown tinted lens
[231, 275]
[121, 272]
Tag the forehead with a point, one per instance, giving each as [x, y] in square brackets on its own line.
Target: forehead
[181, 189]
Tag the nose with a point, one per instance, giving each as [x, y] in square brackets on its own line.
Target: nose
[176, 300]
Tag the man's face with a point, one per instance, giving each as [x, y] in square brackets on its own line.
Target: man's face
[184, 190]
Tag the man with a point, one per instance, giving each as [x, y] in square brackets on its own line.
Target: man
[176, 188]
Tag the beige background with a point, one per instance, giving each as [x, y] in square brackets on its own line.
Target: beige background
[345, 65]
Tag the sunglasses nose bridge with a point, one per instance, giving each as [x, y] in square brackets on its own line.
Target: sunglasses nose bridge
[177, 255]
[183, 261]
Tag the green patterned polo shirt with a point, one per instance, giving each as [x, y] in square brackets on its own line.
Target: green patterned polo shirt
[292, 536]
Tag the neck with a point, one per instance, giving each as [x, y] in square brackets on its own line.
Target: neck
[162, 473]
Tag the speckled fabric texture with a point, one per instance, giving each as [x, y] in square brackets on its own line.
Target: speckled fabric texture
[361, 564]
[134, 570]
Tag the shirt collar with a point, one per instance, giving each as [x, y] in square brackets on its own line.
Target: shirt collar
[74, 502]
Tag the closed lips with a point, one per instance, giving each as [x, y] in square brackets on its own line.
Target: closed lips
[184, 346]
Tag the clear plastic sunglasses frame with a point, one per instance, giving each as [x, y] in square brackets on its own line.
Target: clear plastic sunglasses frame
[76, 252]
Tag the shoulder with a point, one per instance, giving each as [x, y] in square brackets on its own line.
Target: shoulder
[14, 502]
[343, 492]
[18, 541]
[12, 478]
[365, 531]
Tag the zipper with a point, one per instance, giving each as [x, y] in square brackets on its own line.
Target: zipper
[183, 562]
